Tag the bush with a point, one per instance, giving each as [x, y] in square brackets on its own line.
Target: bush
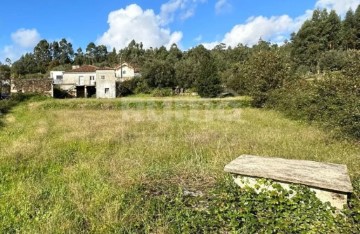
[229, 209]
[209, 87]
[126, 87]
[333, 101]
[264, 72]
[165, 92]
[60, 93]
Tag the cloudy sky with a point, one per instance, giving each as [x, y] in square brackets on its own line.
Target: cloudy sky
[188, 23]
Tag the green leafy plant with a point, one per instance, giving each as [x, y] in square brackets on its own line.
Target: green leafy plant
[230, 209]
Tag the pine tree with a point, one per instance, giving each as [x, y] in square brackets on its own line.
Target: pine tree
[348, 34]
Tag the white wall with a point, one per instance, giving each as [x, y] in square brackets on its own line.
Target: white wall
[105, 84]
[127, 72]
[74, 78]
[57, 76]
[105, 89]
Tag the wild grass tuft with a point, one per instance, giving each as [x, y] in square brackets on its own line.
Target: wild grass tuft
[68, 165]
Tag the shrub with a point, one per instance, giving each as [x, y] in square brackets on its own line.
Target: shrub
[126, 87]
[230, 209]
[165, 92]
[209, 87]
[60, 93]
[333, 101]
[262, 73]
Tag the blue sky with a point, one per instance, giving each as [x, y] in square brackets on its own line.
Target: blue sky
[186, 22]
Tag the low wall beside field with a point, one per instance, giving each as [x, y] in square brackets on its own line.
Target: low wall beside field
[40, 86]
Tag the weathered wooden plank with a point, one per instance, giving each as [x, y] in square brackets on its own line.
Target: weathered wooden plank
[314, 174]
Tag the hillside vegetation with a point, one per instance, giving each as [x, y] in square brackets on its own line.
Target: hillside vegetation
[314, 76]
[129, 165]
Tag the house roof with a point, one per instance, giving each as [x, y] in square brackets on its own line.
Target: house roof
[136, 69]
[105, 68]
[123, 65]
[85, 68]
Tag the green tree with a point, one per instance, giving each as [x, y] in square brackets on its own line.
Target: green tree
[159, 74]
[175, 54]
[112, 58]
[42, 55]
[90, 53]
[357, 28]
[333, 60]
[332, 31]
[101, 54]
[264, 72]
[348, 32]
[208, 84]
[8, 61]
[66, 52]
[25, 65]
[79, 57]
[4, 76]
[133, 54]
[234, 79]
[311, 40]
[55, 51]
[161, 53]
[185, 73]
[207, 81]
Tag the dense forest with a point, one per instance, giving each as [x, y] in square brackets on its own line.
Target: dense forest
[313, 76]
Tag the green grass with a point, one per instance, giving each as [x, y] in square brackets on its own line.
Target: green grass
[68, 165]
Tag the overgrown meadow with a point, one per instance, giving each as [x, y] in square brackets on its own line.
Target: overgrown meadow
[151, 165]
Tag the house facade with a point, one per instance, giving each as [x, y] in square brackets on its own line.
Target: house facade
[80, 82]
[126, 72]
[57, 76]
[91, 81]
[106, 83]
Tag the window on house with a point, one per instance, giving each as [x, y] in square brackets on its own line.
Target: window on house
[107, 90]
[102, 77]
[124, 72]
[59, 77]
[92, 77]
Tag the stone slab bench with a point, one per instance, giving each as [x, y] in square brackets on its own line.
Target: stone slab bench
[330, 182]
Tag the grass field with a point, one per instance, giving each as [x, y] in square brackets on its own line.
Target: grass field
[66, 165]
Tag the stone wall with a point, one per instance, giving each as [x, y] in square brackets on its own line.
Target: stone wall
[41, 86]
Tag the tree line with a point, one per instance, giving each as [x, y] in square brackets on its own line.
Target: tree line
[323, 53]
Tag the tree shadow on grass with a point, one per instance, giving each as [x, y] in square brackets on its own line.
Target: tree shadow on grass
[6, 105]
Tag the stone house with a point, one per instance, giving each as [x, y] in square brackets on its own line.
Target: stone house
[91, 81]
[105, 83]
[126, 71]
[57, 76]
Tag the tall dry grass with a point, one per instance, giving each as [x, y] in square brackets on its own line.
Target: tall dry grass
[65, 169]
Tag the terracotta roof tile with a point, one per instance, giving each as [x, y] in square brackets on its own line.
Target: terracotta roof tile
[85, 68]
[105, 68]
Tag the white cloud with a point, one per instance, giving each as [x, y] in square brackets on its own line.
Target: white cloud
[210, 45]
[23, 41]
[341, 7]
[184, 8]
[168, 9]
[259, 27]
[138, 24]
[26, 38]
[276, 28]
[271, 29]
[145, 26]
[222, 6]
